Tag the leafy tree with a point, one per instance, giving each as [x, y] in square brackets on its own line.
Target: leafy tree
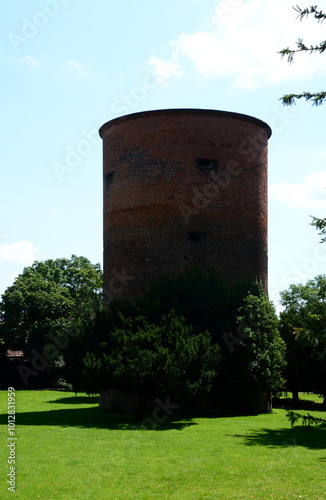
[47, 302]
[254, 370]
[251, 362]
[252, 352]
[144, 357]
[303, 327]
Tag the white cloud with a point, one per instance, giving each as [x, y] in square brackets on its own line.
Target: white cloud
[76, 65]
[164, 70]
[22, 252]
[311, 193]
[243, 42]
[26, 60]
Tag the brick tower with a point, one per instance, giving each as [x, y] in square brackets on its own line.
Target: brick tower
[183, 188]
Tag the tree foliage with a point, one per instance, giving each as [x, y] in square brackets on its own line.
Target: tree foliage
[320, 224]
[303, 327]
[50, 299]
[183, 320]
[255, 369]
[144, 357]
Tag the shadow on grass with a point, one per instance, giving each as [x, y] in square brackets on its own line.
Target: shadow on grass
[91, 418]
[313, 438]
[302, 404]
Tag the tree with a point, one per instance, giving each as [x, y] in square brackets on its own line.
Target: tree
[142, 357]
[254, 370]
[251, 352]
[48, 302]
[303, 328]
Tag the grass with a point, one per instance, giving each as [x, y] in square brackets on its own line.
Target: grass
[68, 449]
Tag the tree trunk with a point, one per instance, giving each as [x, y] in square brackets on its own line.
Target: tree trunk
[104, 400]
[295, 397]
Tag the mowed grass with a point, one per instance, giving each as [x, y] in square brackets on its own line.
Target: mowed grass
[68, 449]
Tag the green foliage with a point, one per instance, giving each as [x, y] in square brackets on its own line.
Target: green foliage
[205, 300]
[264, 349]
[50, 300]
[142, 356]
[255, 368]
[158, 341]
[303, 327]
[320, 224]
[317, 98]
[31, 308]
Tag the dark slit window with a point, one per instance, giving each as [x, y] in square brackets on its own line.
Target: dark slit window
[109, 178]
[196, 237]
[206, 164]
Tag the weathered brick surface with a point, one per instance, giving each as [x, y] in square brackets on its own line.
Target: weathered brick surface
[182, 189]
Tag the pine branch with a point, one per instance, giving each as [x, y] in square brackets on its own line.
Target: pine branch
[318, 14]
[317, 98]
[302, 47]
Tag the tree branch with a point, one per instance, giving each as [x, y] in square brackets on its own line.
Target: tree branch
[317, 98]
[320, 224]
[318, 14]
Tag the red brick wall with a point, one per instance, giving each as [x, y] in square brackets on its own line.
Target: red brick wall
[182, 189]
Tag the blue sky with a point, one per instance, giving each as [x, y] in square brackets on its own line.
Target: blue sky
[68, 66]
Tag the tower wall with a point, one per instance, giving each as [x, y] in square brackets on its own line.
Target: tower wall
[183, 188]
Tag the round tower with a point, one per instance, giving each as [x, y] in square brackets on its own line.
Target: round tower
[183, 188]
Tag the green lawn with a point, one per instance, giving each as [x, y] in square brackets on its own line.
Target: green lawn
[68, 449]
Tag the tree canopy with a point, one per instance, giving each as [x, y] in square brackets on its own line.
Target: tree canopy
[143, 357]
[48, 301]
[303, 327]
[188, 334]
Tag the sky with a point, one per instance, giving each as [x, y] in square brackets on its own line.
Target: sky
[68, 66]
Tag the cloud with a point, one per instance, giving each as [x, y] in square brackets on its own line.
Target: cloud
[243, 42]
[164, 70]
[76, 65]
[22, 252]
[310, 194]
[29, 60]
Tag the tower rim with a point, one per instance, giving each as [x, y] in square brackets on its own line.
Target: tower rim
[185, 112]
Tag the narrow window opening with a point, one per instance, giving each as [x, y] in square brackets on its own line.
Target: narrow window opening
[206, 164]
[109, 178]
[196, 237]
